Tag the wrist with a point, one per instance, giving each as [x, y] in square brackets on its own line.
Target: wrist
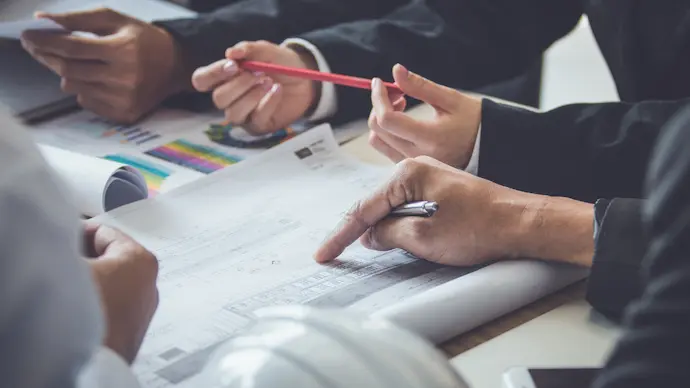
[180, 73]
[472, 116]
[552, 229]
[309, 62]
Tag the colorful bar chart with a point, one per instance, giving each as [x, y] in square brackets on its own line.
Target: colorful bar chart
[222, 134]
[154, 173]
[201, 158]
[100, 128]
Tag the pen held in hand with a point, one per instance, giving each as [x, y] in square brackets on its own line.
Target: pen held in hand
[339, 79]
[417, 209]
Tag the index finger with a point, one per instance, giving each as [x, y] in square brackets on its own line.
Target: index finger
[392, 119]
[362, 216]
[67, 45]
[209, 77]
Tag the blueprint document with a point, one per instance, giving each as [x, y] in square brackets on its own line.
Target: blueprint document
[243, 238]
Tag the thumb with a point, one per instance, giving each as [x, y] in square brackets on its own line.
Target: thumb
[416, 86]
[100, 21]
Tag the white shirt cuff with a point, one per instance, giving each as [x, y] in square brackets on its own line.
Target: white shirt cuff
[473, 165]
[328, 103]
[106, 369]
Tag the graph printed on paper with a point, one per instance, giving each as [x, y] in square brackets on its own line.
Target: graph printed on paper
[100, 128]
[198, 157]
[341, 285]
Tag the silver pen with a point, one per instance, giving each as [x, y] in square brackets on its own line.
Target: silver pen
[419, 209]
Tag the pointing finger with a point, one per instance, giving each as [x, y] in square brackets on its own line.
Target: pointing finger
[369, 211]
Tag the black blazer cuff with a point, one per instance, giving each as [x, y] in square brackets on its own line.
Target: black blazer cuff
[615, 279]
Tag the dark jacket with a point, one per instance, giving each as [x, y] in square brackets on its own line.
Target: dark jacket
[330, 22]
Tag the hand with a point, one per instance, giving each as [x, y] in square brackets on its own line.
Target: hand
[259, 103]
[448, 137]
[122, 74]
[125, 273]
[477, 220]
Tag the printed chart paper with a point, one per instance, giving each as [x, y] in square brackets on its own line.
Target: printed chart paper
[242, 239]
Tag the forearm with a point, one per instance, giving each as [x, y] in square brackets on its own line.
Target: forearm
[555, 229]
[562, 230]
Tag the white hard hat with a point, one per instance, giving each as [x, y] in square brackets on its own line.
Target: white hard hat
[303, 347]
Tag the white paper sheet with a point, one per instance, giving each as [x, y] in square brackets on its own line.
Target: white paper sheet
[243, 238]
[98, 185]
[14, 30]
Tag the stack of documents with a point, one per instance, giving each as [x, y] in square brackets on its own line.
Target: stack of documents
[242, 239]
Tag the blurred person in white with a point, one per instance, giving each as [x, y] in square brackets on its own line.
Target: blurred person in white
[75, 299]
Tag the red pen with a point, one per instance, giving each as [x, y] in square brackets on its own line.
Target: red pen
[339, 79]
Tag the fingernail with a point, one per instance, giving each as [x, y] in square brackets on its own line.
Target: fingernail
[375, 83]
[274, 88]
[403, 69]
[263, 80]
[267, 84]
[230, 67]
[240, 51]
[259, 73]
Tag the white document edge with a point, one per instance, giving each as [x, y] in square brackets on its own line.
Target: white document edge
[453, 308]
[14, 30]
[88, 177]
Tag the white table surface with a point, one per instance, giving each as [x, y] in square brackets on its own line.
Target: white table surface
[568, 336]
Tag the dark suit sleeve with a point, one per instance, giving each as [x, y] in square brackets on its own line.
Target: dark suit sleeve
[581, 151]
[466, 44]
[206, 37]
[654, 350]
[615, 278]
